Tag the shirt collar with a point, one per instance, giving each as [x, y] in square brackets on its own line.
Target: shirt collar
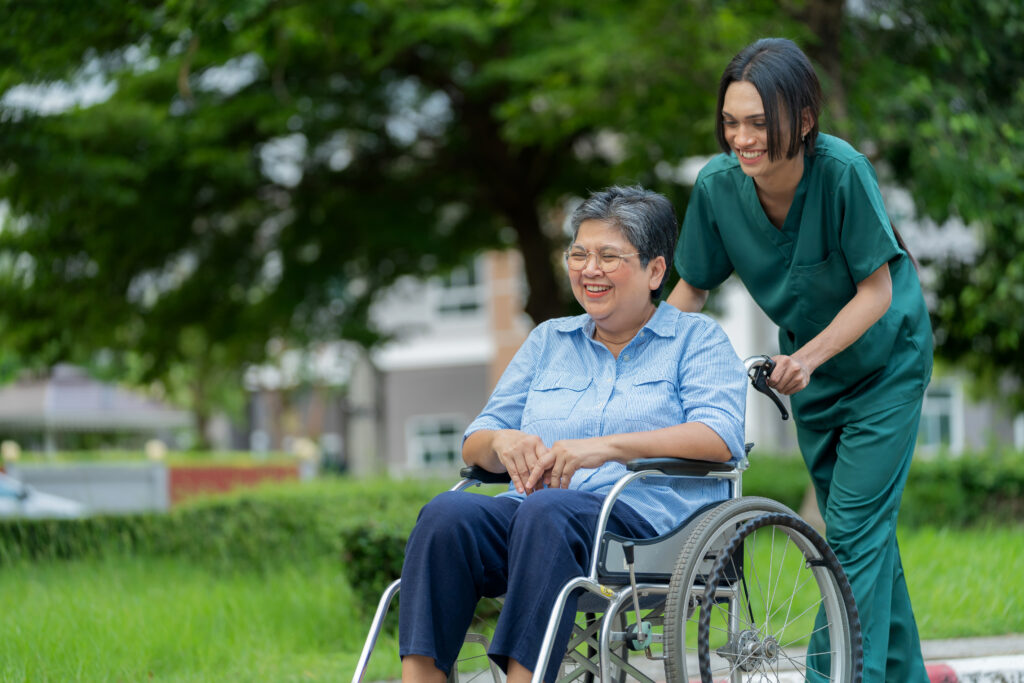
[662, 323]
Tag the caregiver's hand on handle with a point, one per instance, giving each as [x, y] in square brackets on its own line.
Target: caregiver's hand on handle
[789, 376]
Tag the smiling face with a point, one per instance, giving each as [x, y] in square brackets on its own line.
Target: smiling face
[619, 301]
[746, 133]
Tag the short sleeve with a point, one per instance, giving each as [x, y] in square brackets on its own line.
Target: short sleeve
[701, 259]
[713, 386]
[504, 409]
[866, 238]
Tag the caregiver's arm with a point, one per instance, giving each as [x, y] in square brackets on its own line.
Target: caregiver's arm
[874, 294]
[688, 298]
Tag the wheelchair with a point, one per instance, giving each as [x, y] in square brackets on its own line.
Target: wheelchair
[735, 593]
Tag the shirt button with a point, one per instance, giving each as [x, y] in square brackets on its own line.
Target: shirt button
[626, 357]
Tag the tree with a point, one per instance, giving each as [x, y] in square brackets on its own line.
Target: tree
[940, 88]
[264, 168]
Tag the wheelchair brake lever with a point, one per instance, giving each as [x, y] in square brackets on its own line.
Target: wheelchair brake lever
[759, 375]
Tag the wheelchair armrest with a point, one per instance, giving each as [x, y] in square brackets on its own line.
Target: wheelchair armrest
[483, 476]
[679, 466]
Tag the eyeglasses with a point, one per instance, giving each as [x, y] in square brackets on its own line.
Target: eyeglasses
[608, 261]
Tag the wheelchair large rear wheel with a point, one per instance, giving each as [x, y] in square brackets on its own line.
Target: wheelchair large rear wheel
[778, 607]
[711, 532]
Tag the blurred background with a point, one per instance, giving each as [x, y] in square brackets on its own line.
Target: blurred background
[284, 239]
[335, 221]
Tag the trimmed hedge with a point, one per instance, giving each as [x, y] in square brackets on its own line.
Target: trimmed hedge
[364, 524]
[779, 477]
[975, 489]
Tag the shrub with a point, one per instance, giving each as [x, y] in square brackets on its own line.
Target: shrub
[780, 477]
[360, 524]
[363, 525]
[973, 489]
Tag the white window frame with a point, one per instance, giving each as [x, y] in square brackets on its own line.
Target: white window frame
[462, 292]
[418, 444]
[949, 406]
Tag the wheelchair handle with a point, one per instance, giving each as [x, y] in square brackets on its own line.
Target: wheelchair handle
[759, 369]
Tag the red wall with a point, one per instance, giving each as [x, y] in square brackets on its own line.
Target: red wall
[185, 482]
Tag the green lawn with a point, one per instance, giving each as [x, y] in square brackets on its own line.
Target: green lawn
[142, 619]
[965, 582]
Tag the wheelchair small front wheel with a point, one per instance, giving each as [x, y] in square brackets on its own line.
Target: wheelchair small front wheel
[778, 601]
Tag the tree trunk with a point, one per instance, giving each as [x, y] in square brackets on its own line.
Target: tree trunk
[512, 180]
[825, 19]
[200, 408]
[546, 296]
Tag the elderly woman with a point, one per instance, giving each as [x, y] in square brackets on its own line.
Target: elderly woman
[628, 379]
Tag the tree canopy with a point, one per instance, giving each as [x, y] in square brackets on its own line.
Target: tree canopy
[242, 170]
[941, 91]
[263, 169]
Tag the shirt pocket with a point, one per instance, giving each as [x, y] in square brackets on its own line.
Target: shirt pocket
[653, 399]
[553, 396]
[823, 289]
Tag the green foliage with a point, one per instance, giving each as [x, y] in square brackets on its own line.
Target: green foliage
[361, 525]
[125, 618]
[781, 477]
[162, 226]
[969, 490]
[173, 620]
[950, 126]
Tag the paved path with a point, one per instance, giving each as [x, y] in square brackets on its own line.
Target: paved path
[996, 659]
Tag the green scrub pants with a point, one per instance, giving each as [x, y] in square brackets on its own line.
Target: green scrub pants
[859, 471]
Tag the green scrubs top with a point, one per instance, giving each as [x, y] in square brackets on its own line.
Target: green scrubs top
[836, 233]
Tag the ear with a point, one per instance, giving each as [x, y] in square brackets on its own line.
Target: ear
[656, 269]
[806, 121]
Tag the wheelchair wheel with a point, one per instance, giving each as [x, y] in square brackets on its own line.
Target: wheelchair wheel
[711, 532]
[473, 664]
[777, 602]
[579, 663]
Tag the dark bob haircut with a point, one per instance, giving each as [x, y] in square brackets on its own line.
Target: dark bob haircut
[788, 85]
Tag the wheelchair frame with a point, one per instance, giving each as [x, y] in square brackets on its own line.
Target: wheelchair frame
[703, 551]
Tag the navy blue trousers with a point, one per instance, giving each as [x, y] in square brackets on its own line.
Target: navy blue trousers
[466, 546]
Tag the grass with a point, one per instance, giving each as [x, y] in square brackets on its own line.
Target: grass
[965, 582]
[136, 619]
[141, 619]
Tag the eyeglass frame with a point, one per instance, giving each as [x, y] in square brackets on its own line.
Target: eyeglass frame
[597, 257]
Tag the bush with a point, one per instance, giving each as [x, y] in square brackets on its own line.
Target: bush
[780, 477]
[360, 524]
[363, 525]
[973, 489]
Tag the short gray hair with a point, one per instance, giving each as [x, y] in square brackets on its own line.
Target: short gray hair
[644, 217]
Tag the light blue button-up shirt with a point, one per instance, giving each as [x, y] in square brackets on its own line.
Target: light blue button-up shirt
[680, 367]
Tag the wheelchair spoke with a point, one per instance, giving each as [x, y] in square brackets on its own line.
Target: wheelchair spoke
[795, 597]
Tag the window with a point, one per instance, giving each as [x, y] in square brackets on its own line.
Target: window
[939, 427]
[435, 441]
[461, 292]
